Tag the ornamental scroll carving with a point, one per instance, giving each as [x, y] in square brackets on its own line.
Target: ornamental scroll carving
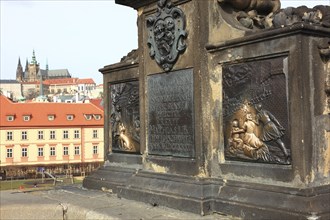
[166, 34]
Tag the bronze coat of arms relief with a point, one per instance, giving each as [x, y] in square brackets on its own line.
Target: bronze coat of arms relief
[166, 34]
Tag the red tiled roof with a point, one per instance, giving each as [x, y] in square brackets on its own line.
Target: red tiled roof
[97, 102]
[40, 111]
[85, 81]
[62, 81]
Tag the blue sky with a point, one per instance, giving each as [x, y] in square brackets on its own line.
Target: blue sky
[81, 36]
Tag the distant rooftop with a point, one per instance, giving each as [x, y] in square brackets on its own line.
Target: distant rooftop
[62, 81]
[86, 81]
[58, 73]
[40, 111]
[8, 81]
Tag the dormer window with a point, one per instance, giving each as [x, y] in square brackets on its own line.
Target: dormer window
[10, 117]
[51, 117]
[69, 117]
[88, 116]
[97, 117]
[26, 117]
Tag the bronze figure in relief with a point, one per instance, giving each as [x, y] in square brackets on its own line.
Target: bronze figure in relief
[124, 117]
[245, 141]
[253, 133]
[166, 34]
[272, 129]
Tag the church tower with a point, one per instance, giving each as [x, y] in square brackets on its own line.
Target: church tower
[33, 69]
[19, 71]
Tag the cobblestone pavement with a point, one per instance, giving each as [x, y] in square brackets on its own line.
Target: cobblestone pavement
[74, 202]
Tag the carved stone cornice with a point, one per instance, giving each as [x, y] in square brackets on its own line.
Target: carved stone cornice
[135, 3]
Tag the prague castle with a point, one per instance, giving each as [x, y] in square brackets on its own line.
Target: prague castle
[33, 71]
[57, 82]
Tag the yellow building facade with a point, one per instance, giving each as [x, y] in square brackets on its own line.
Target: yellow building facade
[57, 137]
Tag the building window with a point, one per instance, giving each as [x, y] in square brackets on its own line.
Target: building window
[24, 152]
[40, 152]
[88, 116]
[9, 135]
[69, 117]
[95, 134]
[66, 151]
[52, 151]
[52, 135]
[24, 135]
[51, 117]
[65, 134]
[76, 150]
[95, 149]
[97, 117]
[9, 152]
[10, 118]
[76, 134]
[40, 135]
[26, 117]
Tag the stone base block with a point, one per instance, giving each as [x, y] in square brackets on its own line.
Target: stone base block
[208, 195]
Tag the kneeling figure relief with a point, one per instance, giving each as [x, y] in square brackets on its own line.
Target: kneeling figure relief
[255, 112]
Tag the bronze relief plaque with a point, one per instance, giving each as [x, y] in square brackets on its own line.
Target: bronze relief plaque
[171, 114]
[125, 116]
[255, 112]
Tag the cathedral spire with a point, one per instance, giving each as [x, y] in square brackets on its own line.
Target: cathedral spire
[34, 60]
[27, 65]
[19, 71]
[47, 67]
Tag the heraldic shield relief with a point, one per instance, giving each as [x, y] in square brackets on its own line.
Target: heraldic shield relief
[255, 112]
[166, 34]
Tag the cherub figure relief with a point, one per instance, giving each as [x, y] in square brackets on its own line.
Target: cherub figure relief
[235, 141]
[244, 140]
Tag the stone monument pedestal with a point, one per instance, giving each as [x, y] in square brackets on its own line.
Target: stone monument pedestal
[221, 110]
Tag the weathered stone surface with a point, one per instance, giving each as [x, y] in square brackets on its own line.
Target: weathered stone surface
[74, 202]
[280, 70]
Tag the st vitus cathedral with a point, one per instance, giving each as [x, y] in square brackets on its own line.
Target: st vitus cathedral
[33, 72]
